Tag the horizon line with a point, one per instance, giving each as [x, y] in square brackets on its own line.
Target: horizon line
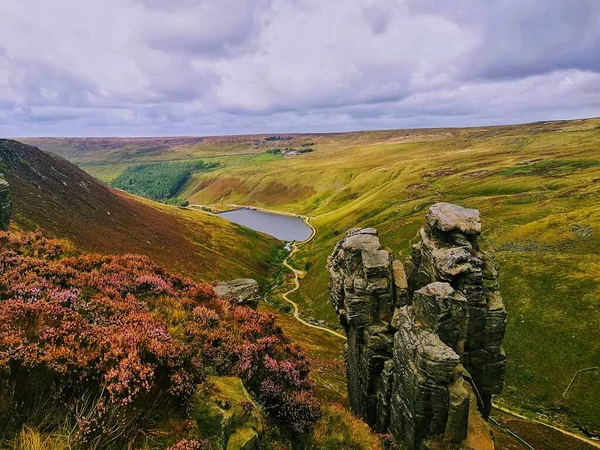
[308, 133]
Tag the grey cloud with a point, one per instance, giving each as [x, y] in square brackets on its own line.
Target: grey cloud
[207, 28]
[519, 38]
[377, 13]
[167, 67]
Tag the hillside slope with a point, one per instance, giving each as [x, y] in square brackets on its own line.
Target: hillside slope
[536, 185]
[52, 194]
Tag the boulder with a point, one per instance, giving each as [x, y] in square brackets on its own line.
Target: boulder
[243, 291]
[447, 217]
[226, 415]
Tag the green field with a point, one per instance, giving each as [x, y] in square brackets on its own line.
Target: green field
[537, 187]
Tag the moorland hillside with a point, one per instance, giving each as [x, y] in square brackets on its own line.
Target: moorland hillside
[51, 194]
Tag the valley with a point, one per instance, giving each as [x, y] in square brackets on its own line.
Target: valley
[300, 225]
[51, 194]
[536, 185]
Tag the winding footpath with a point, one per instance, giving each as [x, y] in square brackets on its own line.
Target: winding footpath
[296, 283]
[295, 272]
[579, 437]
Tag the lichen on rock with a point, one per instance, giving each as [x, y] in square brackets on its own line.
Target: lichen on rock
[424, 338]
[227, 415]
[242, 291]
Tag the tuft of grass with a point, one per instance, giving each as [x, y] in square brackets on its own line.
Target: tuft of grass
[338, 429]
[32, 439]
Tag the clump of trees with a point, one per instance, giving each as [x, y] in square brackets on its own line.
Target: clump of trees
[160, 181]
[111, 344]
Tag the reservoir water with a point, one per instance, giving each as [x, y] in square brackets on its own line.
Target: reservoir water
[284, 228]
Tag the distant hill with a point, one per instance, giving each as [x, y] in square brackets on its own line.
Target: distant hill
[51, 194]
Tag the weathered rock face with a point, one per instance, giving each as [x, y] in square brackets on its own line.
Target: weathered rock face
[5, 205]
[243, 291]
[424, 339]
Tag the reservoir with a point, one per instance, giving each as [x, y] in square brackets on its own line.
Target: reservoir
[284, 228]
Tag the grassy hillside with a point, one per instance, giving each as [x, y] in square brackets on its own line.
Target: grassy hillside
[52, 194]
[537, 186]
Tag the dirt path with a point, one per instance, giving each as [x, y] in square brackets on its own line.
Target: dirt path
[296, 283]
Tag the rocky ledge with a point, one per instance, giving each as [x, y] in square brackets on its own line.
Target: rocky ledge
[5, 205]
[424, 338]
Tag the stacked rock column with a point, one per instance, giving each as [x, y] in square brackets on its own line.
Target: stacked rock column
[362, 293]
[449, 252]
[416, 335]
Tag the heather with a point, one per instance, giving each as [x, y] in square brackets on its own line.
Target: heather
[111, 344]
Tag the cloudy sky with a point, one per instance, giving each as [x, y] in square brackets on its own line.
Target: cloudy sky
[205, 67]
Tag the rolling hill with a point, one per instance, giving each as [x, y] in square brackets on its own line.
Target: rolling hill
[537, 186]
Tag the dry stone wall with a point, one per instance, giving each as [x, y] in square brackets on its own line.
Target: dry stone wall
[424, 338]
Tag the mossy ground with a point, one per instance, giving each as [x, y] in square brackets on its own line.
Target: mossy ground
[537, 187]
[227, 415]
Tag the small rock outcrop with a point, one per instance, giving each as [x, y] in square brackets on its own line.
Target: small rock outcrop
[5, 204]
[424, 338]
[227, 416]
[243, 291]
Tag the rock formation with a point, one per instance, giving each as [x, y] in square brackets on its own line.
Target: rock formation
[5, 205]
[424, 339]
[227, 416]
[243, 291]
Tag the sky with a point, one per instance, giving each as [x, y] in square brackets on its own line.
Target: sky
[211, 67]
